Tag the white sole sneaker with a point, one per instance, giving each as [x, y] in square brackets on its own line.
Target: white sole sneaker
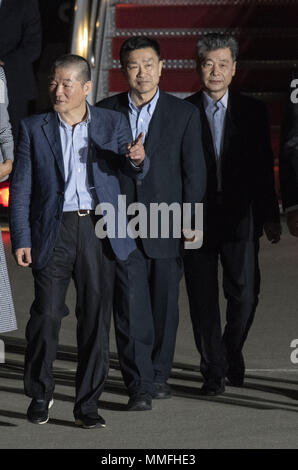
[50, 406]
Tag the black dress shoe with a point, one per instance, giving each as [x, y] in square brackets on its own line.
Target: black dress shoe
[89, 420]
[38, 411]
[140, 402]
[162, 390]
[213, 387]
[235, 380]
[236, 370]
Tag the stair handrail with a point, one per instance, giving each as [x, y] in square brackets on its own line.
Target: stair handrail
[94, 13]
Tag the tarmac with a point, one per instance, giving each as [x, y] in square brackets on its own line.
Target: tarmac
[263, 414]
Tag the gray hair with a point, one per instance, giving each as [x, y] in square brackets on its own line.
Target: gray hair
[214, 41]
[72, 60]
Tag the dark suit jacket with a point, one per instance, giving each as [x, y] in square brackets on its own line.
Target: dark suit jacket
[38, 183]
[288, 159]
[20, 45]
[177, 169]
[247, 169]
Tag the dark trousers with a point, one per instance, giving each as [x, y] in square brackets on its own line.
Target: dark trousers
[80, 255]
[241, 285]
[146, 318]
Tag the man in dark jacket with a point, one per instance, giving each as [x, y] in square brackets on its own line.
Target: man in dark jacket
[147, 288]
[240, 203]
[67, 166]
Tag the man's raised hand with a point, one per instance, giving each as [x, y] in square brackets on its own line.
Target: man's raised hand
[135, 150]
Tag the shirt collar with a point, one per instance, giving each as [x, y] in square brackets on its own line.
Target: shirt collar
[209, 102]
[149, 106]
[85, 122]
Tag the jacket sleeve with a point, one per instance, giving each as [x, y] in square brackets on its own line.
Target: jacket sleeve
[20, 193]
[288, 158]
[268, 198]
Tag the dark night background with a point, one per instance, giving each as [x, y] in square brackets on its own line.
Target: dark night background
[56, 18]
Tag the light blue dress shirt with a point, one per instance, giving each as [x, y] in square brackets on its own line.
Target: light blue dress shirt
[78, 193]
[140, 118]
[216, 115]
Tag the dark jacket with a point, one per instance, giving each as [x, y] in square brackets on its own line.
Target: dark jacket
[20, 46]
[247, 169]
[38, 182]
[177, 171]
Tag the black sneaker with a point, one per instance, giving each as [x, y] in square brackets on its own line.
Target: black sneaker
[140, 402]
[89, 420]
[38, 411]
[161, 391]
[213, 387]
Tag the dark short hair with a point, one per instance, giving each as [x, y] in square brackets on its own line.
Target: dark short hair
[137, 42]
[72, 60]
[214, 41]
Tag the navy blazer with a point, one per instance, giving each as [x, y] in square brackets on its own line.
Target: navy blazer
[177, 171]
[38, 182]
[247, 170]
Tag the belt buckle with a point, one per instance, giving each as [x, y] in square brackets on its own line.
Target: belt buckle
[82, 214]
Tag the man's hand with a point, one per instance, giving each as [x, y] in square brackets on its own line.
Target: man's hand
[2, 63]
[272, 231]
[135, 151]
[292, 222]
[5, 168]
[23, 257]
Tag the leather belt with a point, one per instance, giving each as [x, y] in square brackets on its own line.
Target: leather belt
[83, 212]
[80, 212]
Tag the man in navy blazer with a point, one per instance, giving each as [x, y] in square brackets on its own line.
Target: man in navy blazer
[67, 162]
[146, 307]
[240, 204]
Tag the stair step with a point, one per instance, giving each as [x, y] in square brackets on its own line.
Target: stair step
[242, 64]
[205, 16]
[174, 46]
[176, 80]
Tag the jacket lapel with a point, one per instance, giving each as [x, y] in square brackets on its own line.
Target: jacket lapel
[206, 132]
[96, 129]
[51, 130]
[231, 128]
[158, 125]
